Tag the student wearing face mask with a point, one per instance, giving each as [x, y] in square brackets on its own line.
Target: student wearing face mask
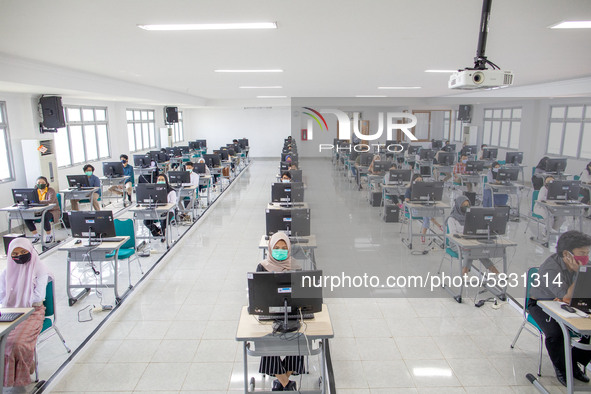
[460, 169]
[455, 224]
[160, 231]
[499, 199]
[555, 221]
[426, 220]
[47, 195]
[128, 182]
[22, 285]
[279, 260]
[286, 177]
[189, 166]
[93, 181]
[572, 251]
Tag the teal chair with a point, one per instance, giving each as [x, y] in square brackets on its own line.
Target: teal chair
[125, 227]
[60, 203]
[528, 322]
[449, 252]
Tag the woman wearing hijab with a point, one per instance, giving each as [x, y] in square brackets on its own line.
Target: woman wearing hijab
[455, 225]
[171, 199]
[22, 285]
[426, 220]
[537, 178]
[279, 260]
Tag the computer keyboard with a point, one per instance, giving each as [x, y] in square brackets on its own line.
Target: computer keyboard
[566, 202]
[112, 239]
[306, 316]
[298, 240]
[10, 317]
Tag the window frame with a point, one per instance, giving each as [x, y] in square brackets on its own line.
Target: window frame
[5, 129]
[143, 132]
[500, 120]
[564, 121]
[178, 128]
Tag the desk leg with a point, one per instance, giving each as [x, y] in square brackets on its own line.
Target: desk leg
[568, 359]
[245, 362]
[323, 360]
[115, 276]
[73, 299]
[43, 243]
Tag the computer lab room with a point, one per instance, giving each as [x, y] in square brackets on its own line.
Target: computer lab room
[320, 197]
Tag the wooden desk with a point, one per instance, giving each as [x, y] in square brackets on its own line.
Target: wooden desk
[107, 182]
[30, 213]
[418, 209]
[79, 194]
[142, 213]
[554, 208]
[5, 329]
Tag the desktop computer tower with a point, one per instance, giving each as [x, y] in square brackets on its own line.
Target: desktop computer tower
[391, 213]
[376, 199]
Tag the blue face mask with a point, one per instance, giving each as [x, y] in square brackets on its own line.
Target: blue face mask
[161, 182]
[465, 161]
[279, 254]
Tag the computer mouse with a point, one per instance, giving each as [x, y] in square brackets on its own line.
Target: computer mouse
[568, 308]
[78, 242]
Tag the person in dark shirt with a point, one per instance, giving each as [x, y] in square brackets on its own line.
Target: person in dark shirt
[560, 269]
[93, 181]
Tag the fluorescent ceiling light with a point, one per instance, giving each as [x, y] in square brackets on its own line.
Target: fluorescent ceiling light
[210, 26]
[264, 97]
[572, 25]
[370, 95]
[441, 71]
[398, 87]
[261, 87]
[249, 71]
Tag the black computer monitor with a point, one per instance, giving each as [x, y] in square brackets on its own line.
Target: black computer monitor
[474, 166]
[436, 144]
[287, 192]
[77, 181]
[231, 151]
[185, 149]
[427, 154]
[413, 149]
[484, 222]
[382, 166]
[426, 191]
[449, 148]
[366, 159]
[200, 168]
[514, 158]
[243, 142]
[179, 177]
[93, 225]
[507, 174]
[212, 160]
[284, 166]
[112, 169]
[405, 145]
[469, 150]
[446, 158]
[141, 161]
[294, 222]
[391, 142]
[556, 165]
[223, 154]
[425, 171]
[193, 145]
[151, 193]
[25, 196]
[159, 157]
[581, 298]
[399, 176]
[563, 190]
[490, 153]
[202, 143]
[296, 175]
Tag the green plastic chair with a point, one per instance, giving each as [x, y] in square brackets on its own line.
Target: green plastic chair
[528, 322]
[448, 250]
[125, 227]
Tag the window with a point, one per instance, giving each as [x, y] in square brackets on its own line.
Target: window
[85, 137]
[458, 129]
[502, 127]
[569, 131]
[446, 124]
[6, 173]
[140, 129]
[178, 134]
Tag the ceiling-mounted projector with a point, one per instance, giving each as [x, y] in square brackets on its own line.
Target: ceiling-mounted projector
[480, 79]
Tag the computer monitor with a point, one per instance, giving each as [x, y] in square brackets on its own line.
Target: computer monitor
[425, 171]
[474, 166]
[212, 160]
[405, 146]
[469, 150]
[563, 190]
[151, 194]
[556, 165]
[365, 159]
[391, 142]
[399, 176]
[507, 174]
[194, 145]
[159, 157]
[287, 192]
[581, 298]
[296, 175]
[93, 225]
[413, 149]
[112, 169]
[449, 148]
[446, 158]
[202, 143]
[284, 166]
[179, 177]
[184, 149]
[427, 154]
[436, 144]
[200, 168]
[382, 166]
[284, 293]
[231, 151]
[426, 191]
[490, 153]
[141, 161]
[294, 222]
[485, 222]
[243, 142]
[77, 181]
[25, 196]
[223, 154]
[513, 158]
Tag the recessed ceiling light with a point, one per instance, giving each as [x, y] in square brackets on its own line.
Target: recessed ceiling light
[261, 87]
[440, 71]
[264, 97]
[249, 71]
[572, 25]
[398, 87]
[370, 95]
[210, 26]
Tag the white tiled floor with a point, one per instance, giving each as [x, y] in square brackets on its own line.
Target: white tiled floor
[176, 334]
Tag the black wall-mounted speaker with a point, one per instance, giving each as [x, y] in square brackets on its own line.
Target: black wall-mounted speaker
[53, 112]
[465, 113]
[172, 115]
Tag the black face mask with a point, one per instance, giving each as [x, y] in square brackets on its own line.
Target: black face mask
[22, 259]
[41, 186]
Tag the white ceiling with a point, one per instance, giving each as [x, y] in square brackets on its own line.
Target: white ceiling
[327, 48]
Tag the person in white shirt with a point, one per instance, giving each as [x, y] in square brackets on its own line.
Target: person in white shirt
[555, 221]
[189, 166]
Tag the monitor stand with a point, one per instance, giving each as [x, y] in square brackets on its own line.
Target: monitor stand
[286, 325]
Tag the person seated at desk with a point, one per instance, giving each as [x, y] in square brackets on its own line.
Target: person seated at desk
[371, 170]
[93, 181]
[460, 169]
[279, 260]
[171, 199]
[436, 161]
[555, 221]
[47, 195]
[572, 251]
[499, 199]
[22, 285]
[286, 177]
[537, 179]
[455, 225]
[201, 160]
[585, 178]
[426, 220]
[293, 166]
[128, 182]
[237, 147]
